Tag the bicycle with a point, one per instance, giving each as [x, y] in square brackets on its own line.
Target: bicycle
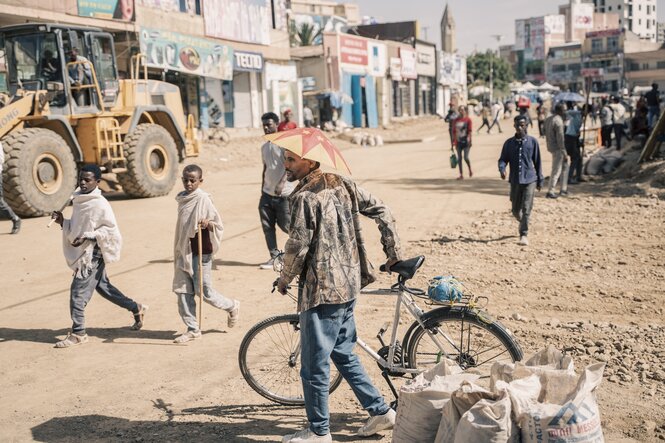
[461, 331]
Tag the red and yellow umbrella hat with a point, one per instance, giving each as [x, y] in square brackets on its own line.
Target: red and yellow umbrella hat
[312, 144]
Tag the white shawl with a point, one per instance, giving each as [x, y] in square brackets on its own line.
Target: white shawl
[192, 208]
[93, 219]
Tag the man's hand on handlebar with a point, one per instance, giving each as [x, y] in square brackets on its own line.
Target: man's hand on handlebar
[281, 287]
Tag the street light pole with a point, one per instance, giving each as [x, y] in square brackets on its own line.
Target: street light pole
[498, 38]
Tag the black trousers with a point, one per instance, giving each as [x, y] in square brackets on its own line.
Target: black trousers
[572, 143]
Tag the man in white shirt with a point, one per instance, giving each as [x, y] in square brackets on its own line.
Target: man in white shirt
[619, 117]
[275, 190]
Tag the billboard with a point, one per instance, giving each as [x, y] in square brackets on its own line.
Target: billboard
[408, 57]
[581, 15]
[114, 9]
[519, 34]
[324, 23]
[246, 21]
[452, 69]
[184, 53]
[555, 24]
[377, 62]
[192, 7]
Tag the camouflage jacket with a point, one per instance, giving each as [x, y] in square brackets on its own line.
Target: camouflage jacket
[325, 246]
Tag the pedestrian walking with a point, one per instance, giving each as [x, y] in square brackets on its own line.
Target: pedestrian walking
[572, 142]
[606, 124]
[197, 216]
[485, 115]
[554, 137]
[653, 106]
[619, 118]
[497, 111]
[287, 123]
[90, 239]
[522, 153]
[5, 210]
[541, 115]
[462, 130]
[275, 190]
[326, 250]
[307, 116]
[450, 119]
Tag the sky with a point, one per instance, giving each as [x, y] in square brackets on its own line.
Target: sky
[476, 20]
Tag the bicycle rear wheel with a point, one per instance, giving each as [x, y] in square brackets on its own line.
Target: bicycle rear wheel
[470, 338]
[269, 360]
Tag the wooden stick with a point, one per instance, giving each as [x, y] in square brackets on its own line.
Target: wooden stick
[200, 236]
[69, 200]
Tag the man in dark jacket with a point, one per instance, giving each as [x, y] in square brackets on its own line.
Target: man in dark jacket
[522, 153]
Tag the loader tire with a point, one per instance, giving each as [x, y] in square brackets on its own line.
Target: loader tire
[152, 162]
[39, 171]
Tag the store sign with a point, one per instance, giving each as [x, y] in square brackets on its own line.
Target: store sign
[113, 9]
[592, 72]
[247, 61]
[408, 57]
[185, 53]
[308, 83]
[281, 73]
[426, 60]
[240, 20]
[604, 33]
[353, 50]
[581, 15]
[377, 59]
[396, 68]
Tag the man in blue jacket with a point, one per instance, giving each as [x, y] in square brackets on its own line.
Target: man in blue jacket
[522, 153]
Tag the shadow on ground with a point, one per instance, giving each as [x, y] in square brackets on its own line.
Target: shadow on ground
[108, 335]
[490, 186]
[236, 423]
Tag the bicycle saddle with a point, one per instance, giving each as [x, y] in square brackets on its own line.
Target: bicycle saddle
[406, 268]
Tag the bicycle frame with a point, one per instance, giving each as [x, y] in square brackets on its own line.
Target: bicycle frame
[405, 298]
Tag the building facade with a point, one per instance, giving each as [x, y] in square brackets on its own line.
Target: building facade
[637, 16]
[564, 65]
[533, 38]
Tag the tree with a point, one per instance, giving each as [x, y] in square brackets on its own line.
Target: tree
[478, 71]
[304, 34]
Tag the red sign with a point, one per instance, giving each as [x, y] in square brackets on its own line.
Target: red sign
[353, 50]
[604, 33]
[592, 72]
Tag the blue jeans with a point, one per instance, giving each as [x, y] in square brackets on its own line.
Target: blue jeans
[652, 116]
[329, 332]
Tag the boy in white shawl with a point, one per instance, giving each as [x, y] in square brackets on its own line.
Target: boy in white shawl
[195, 208]
[89, 240]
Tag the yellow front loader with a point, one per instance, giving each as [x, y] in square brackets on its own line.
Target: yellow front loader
[68, 107]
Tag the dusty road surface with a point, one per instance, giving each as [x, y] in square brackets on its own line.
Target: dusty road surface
[590, 283]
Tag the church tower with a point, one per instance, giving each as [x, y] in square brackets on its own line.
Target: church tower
[448, 31]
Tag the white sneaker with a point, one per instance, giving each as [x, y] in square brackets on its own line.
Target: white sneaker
[378, 423]
[306, 436]
[524, 241]
[267, 265]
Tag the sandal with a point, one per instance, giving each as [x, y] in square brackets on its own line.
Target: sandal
[188, 336]
[72, 340]
[233, 315]
[138, 317]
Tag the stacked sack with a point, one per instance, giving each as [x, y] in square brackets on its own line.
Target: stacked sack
[541, 400]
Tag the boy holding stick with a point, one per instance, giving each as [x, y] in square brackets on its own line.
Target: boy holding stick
[197, 216]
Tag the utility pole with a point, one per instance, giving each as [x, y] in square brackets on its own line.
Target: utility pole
[498, 38]
[424, 29]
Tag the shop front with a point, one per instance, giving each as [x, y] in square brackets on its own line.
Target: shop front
[404, 91]
[361, 63]
[247, 89]
[282, 89]
[426, 81]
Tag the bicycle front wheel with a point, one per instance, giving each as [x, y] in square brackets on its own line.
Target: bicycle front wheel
[470, 338]
[269, 360]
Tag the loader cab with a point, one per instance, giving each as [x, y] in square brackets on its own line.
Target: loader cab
[76, 66]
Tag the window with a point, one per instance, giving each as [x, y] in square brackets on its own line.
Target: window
[609, 8]
[596, 45]
[648, 9]
[619, 21]
[639, 7]
[660, 65]
[612, 44]
[619, 7]
[645, 66]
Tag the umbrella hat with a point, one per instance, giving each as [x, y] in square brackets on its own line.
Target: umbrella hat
[312, 144]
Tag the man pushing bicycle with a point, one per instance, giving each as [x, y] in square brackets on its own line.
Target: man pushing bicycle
[326, 250]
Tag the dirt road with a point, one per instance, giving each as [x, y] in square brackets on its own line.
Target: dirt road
[591, 278]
